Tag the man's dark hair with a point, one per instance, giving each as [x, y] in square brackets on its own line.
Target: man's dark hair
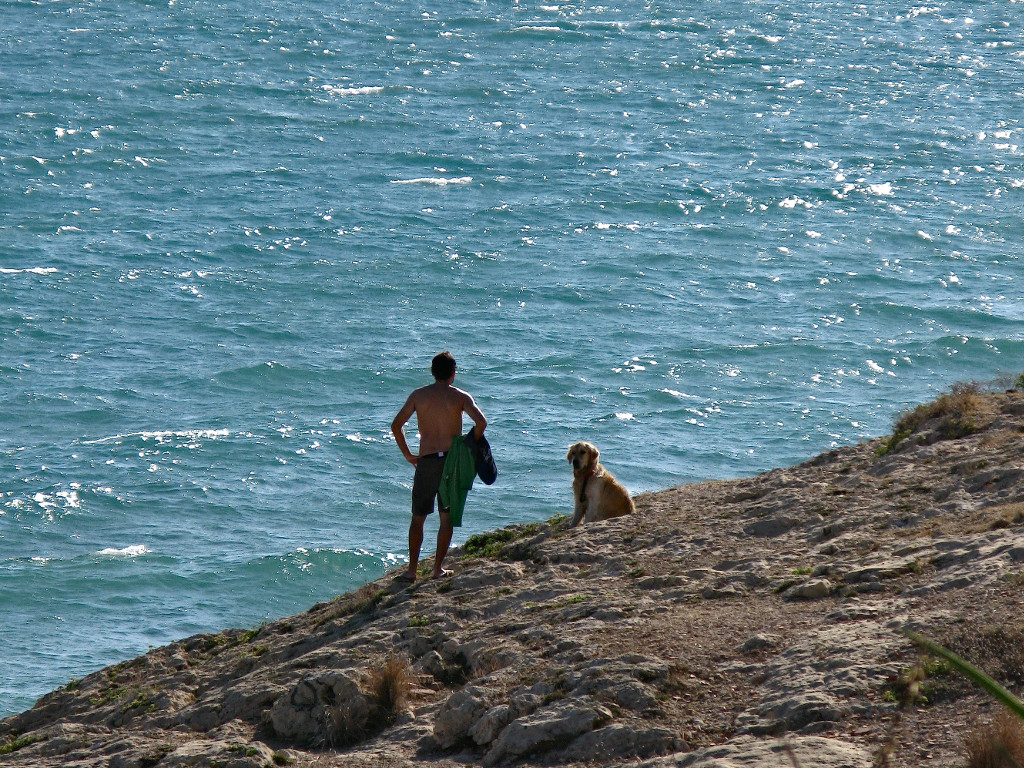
[443, 365]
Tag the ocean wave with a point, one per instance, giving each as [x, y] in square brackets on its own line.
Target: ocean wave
[28, 271]
[134, 550]
[883, 189]
[365, 90]
[162, 436]
[436, 181]
[545, 30]
[358, 565]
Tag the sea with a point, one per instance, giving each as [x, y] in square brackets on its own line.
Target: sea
[712, 238]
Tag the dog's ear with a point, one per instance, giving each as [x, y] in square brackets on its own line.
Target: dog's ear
[568, 455]
[594, 453]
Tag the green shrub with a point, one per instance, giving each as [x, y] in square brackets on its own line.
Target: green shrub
[960, 412]
[20, 742]
[488, 545]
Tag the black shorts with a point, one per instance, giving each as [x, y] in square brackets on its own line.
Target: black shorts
[425, 483]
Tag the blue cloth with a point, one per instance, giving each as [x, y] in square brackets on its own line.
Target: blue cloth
[486, 469]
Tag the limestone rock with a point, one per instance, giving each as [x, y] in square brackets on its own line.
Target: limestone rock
[746, 752]
[622, 741]
[487, 728]
[320, 709]
[546, 728]
[458, 715]
[760, 642]
[813, 589]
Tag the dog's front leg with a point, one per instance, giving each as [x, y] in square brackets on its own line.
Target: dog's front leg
[577, 514]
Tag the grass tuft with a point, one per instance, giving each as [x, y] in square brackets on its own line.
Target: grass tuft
[975, 675]
[386, 689]
[959, 412]
[20, 742]
[390, 681]
[491, 545]
[999, 744]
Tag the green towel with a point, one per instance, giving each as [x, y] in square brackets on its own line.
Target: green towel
[457, 479]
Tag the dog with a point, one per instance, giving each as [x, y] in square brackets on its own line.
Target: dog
[597, 494]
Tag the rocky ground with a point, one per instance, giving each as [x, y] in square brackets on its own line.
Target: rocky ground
[752, 622]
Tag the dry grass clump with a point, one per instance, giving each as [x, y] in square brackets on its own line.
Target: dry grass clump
[383, 697]
[960, 412]
[999, 744]
[346, 724]
[1006, 516]
[389, 683]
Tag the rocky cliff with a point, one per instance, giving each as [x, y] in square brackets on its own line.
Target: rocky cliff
[752, 622]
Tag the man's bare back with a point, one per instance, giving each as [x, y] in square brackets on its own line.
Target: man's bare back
[438, 408]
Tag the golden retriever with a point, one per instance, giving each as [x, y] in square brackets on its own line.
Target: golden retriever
[598, 495]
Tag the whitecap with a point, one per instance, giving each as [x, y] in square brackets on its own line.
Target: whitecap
[135, 550]
[29, 270]
[162, 436]
[924, 235]
[793, 202]
[188, 434]
[680, 395]
[438, 182]
[874, 366]
[365, 90]
[880, 190]
[625, 416]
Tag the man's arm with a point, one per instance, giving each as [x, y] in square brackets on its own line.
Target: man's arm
[476, 415]
[398, 429]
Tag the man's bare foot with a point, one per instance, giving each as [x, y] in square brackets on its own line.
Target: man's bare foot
[442, 574]
[405, 578]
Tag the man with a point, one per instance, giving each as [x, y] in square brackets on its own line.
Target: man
[438, 408]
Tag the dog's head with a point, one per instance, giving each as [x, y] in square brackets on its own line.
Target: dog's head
[582, 456]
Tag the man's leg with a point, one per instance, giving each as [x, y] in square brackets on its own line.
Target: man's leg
[444, 540]
[416, 541]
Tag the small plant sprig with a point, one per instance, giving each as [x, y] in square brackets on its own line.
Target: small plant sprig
[975, 675]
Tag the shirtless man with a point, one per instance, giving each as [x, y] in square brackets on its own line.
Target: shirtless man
[438, 408]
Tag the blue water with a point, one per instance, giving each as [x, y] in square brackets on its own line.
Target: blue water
[712, 238]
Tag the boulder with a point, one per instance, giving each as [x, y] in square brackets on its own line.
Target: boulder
[546, 729]
[458, 715]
